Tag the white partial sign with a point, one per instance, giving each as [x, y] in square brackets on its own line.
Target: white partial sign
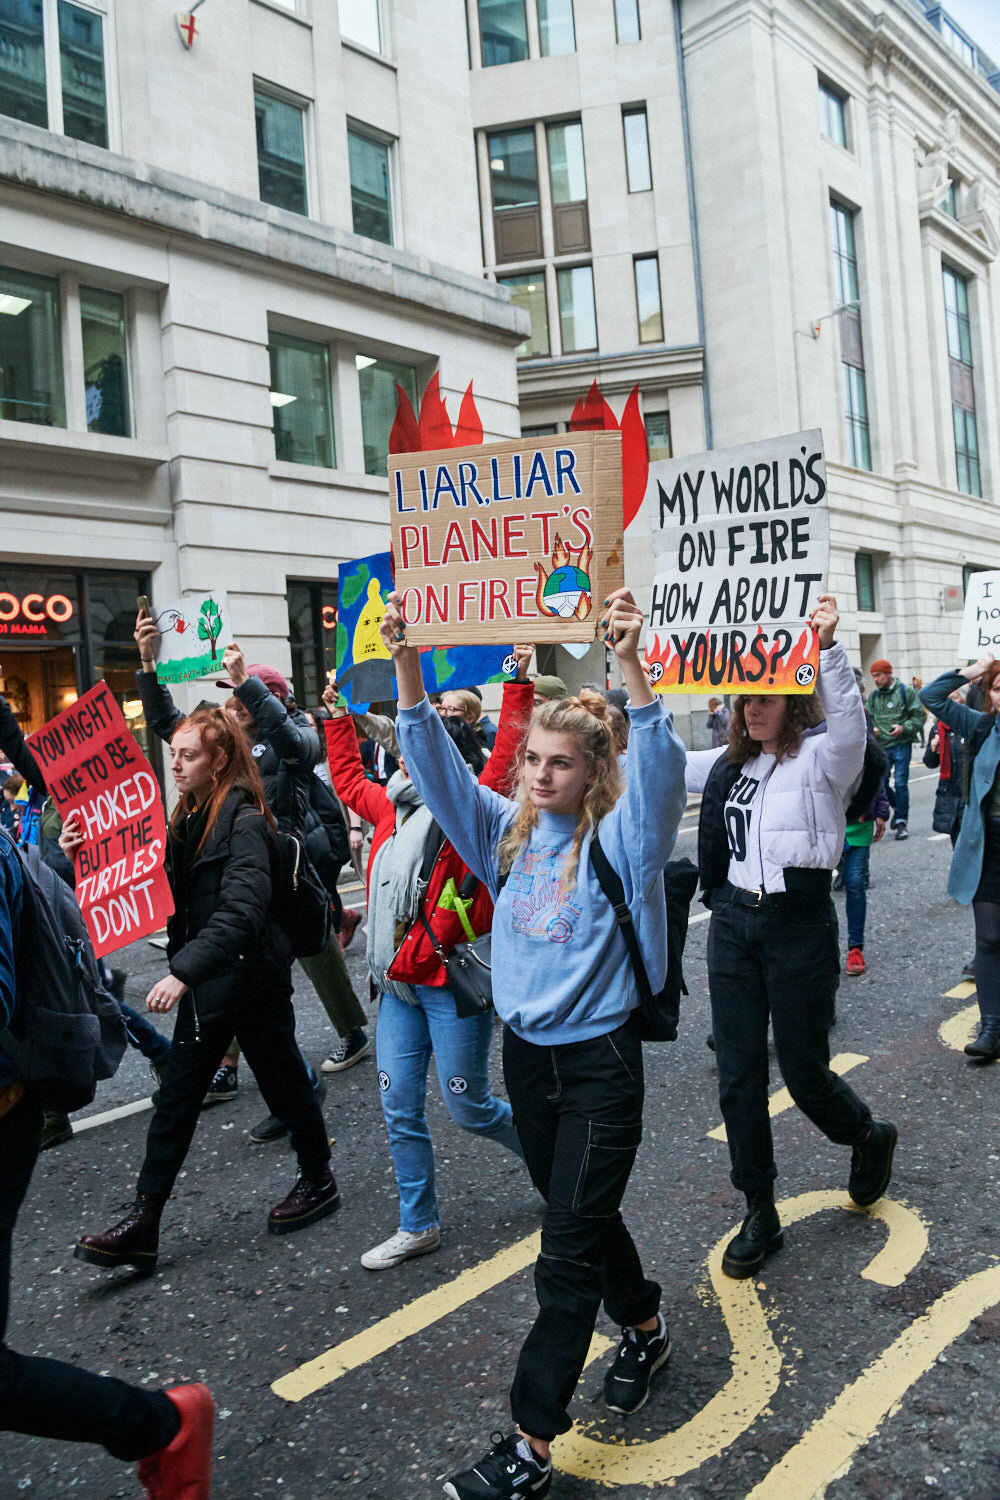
[981, 621]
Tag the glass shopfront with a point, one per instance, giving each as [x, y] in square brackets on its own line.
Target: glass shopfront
[312, 633]
[60, 633]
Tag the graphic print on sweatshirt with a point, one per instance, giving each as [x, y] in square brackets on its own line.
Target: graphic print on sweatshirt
[540, 907]
[737, 814]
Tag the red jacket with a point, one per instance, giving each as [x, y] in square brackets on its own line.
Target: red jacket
[415, 961]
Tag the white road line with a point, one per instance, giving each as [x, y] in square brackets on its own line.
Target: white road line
[136, 1108]
[933, 837]
[701, 917]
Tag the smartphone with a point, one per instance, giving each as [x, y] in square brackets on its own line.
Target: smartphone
[142, 604]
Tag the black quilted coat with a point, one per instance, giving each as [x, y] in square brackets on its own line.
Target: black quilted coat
[223, 942]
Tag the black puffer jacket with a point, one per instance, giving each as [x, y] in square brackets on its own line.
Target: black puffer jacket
[223, 942]
[285, 745]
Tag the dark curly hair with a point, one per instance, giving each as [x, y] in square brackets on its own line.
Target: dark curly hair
[802, 712]
[469, 747]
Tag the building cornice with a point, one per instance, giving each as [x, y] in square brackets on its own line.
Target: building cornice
[616, 374]
[54, 165]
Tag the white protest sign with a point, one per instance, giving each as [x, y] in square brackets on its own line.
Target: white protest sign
[194, 633]
[741, 538]
[981, 621]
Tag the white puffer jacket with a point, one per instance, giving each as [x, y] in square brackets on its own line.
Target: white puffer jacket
[799, 813]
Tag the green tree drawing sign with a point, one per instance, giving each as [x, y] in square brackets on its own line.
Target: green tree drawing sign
[190, 632]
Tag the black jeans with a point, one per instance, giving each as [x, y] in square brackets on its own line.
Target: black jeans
[265, 1030]
[44, 1397]
[783, 962]
[578, 1115]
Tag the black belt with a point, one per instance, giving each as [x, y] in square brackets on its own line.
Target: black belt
[814, 892]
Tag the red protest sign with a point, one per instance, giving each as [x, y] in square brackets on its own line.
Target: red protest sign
[93, 764]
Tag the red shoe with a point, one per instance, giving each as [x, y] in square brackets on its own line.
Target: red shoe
[183, 1470]
[348, 926]
[855, 961]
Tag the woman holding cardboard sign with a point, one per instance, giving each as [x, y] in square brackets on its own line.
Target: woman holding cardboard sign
[773, 814]
[975, 865]
[564, 986]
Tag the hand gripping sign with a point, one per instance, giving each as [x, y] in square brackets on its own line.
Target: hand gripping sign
[742, 545]
[516, 541]
[92, 763]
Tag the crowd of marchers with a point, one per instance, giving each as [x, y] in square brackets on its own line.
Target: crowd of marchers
[524, 874]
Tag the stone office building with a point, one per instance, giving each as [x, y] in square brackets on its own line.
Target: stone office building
[217, 261]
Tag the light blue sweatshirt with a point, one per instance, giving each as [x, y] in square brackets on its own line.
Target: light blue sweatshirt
[561, 972]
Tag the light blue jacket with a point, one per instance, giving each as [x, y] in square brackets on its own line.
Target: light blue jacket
[967, 860]
[560, 968]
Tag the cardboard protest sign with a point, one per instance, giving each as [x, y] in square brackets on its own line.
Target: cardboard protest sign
[193, 636]
[364, 667]
[92, 763]
[742, 545]
[981, 620]
[514, 541]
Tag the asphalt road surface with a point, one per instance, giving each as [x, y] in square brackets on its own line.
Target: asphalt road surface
[863, 1363]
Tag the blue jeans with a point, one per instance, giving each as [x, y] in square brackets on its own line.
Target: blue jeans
[899, 771]
[854, 871]
[405, 1038]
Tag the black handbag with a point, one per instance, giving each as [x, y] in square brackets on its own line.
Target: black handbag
[301, 902]
[470, 976]
[947, 805]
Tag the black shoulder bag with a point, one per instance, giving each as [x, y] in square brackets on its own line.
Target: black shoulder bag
[656, 1015]
[467, 966]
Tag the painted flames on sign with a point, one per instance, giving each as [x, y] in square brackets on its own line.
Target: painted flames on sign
[781, 667]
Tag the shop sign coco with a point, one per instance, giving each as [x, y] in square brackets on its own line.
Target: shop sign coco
[33, 614]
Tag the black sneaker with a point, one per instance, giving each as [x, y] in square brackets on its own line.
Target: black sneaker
[871, 1164]
[224, 1086]
[348, 1051]
[272, 1129]
[640, 1355]
[510, 1470]
[902, 832]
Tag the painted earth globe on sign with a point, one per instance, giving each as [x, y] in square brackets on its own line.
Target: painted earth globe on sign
[564, 589]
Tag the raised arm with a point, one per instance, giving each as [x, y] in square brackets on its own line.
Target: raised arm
[698, 765]
[937, 697]
[346, 771]
[160, 711]
[13, 745]
[515, 713]
[294, 742]
[840, 752]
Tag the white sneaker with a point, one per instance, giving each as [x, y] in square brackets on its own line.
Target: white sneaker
[402, 1246]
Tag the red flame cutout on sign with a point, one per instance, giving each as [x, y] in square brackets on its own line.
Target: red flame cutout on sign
[433, 430]
[719, 665]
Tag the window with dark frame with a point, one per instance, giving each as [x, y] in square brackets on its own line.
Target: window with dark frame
[961, 370]
[832, 114]
[281, 152]
[527, 289]
[31, 372]
[105, 361]
[312, 636]
[857, 426]
[517, 215]
[637, 164]
[658, 445]
[503, 32]
[864, 578]
[301, 401]
[371, 194]
[568, 186]
[76, 67]
[577, 311]
[627, 28]
[649, 309]
[377, 382]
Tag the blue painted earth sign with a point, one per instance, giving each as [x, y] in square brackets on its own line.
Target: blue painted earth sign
[364, 666]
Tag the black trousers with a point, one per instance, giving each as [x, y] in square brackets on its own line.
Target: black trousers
[265, 1029]
[44, 1397]
[783, 963]
[578, 1114]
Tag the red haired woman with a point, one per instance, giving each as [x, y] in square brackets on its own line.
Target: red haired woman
[230, 972]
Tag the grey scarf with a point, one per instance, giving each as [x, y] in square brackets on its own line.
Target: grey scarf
[395, 888]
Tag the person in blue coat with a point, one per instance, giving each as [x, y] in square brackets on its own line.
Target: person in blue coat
[975, 864]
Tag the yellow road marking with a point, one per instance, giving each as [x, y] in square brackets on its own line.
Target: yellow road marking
[400, 1325]
[960, 1029]
[781, 1099]
[961, 991]
[755, 1359]
[828, 1448]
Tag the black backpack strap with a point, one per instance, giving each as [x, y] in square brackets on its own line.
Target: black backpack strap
[432, 848]
[611, 885]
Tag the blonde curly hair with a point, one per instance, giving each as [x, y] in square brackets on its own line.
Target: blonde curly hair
[585, 720]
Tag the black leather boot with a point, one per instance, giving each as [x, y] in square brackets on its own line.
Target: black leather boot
[987, 1043]
[133, 1242]
[760, 1235]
